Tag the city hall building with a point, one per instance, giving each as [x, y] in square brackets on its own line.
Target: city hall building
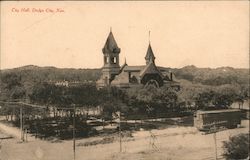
[126, 76]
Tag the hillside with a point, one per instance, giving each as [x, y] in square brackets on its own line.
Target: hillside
[206, 76]
[214, 77]
[36, 73]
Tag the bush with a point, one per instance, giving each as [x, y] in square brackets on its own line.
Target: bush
[237, 147]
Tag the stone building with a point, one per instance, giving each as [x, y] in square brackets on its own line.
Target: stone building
[126, 76]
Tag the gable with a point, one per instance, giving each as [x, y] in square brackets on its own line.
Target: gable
[150, 69]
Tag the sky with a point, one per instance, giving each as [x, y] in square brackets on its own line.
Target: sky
[72, 34]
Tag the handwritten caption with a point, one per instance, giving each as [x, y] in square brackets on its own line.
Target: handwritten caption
[37, 10]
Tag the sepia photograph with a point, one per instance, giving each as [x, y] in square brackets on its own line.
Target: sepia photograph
[124, 80]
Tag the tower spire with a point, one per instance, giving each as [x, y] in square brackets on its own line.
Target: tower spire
[149, 36]
[150, 55]
[111, 45]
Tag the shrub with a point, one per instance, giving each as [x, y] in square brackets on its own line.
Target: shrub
[237, 147]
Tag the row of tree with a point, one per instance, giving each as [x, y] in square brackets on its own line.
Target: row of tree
[202, 96]
[149, 101]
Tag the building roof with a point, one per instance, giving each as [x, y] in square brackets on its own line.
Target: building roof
[111, 45]
[150, 54]
[150, 69]
[123, 66]
[121, 78]
[133, 68]
[141, 67]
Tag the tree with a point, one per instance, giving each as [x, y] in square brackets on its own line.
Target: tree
[12, 86]
[112, 100]
[219, 97]
[222, 100]
[204, 99]
[11, 80]
[18, 92]
[85, 96]
[152, 101]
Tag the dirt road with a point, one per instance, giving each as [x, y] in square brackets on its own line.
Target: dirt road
[178, 143]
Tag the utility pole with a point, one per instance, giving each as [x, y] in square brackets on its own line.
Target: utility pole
[120, 134]
[21, 122]
[74, 123]
[215, 143]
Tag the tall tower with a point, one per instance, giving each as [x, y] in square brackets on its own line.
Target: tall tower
[111, 65]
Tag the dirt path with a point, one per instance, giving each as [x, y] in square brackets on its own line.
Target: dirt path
[13, 131]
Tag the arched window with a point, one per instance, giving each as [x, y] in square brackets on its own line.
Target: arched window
[148, 77]
[133, 79]
[152, 82]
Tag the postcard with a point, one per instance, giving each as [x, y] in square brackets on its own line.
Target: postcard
[116, 80]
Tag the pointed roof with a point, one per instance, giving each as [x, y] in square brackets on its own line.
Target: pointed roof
[150, 55]
[111, 45]
[150, 68]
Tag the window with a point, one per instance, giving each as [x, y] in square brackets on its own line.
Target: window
[106, 60]
[106, 80]
[112, 60]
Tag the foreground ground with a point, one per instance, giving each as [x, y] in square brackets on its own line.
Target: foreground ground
[173, 143]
